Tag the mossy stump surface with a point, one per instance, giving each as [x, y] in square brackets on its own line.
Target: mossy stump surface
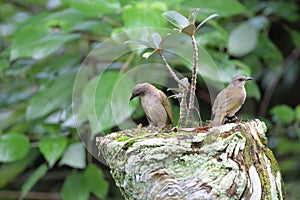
[227, 162]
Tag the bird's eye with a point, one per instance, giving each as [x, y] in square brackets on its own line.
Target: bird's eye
[240, 79]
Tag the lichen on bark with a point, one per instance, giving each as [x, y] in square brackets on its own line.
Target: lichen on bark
[227, 162]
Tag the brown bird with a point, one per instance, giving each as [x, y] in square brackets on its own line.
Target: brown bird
[155, 104]
[230, 100]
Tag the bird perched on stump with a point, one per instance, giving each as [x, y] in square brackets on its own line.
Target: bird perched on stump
[155, 104]
[230, 100]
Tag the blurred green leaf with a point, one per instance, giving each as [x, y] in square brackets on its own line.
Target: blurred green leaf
[13, 147]
[242, 40]
[297, 113]
[286, 10]
[283, 114]
[253, 90]
[228, 68]
[55, 96]
[52, 149]
[96, 182]
[106, 101]
[287, 145]
[269, 52]
[296, 38]
[176, 19]
[9, 171]
[33, 179]
[95, 7]
[74, 156]
[75, 187]
[66, 20]
[193, 16]
[226, 9]
[138, 17]
[41, 39]
[3, 64]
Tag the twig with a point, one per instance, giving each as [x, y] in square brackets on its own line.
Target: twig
[126, 63]
[10, 194]
[194, 77]
[273, 83]
[183, 104]
[172, 72]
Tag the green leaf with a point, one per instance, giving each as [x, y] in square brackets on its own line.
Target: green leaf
[140, 16]
[176, 19]
[297, 113]
[9, 171]
[228, 67]
[75, 187]
[96, 182]
[283, 114]
[193, 16]
[13, 147]
[286, 10]
[54, 97]
[296, 38]
[95, 7]
[156, 39]
[74, 156]
[41, 39]
[269, 52]
[67, 20]
[148, 44]
[33, 179]
[52, 149]
[148, 54]
[207, 19]
[253, 90]
[224, 8]
[106, 101]
[242, 40]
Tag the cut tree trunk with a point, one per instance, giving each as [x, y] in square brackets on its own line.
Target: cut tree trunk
[226, 162]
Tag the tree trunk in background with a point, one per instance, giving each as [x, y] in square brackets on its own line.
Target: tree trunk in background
[227, 162]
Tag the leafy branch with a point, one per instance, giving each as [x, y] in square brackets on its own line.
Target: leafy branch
[155, 41]
[187, 26]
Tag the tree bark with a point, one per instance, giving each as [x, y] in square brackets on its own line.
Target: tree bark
[227, 162]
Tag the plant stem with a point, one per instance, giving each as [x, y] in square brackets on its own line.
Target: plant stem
[183, 109]
[185, 86]
[194, 78]
[274, 82]
[172, 72]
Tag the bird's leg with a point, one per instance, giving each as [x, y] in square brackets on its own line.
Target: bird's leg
[230, 119]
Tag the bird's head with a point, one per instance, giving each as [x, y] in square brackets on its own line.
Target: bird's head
[140, 90]
[239, 81]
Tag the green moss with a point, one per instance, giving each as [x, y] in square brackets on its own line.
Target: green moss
[248, 158]
[274, 164]
[123, 138]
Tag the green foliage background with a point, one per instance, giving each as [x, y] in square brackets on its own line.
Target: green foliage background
[43, 44]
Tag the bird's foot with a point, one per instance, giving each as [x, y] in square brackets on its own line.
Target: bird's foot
[231, 119]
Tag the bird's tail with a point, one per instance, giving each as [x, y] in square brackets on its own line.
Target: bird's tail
[218, 119]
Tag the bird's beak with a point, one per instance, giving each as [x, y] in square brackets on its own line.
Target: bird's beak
[249, 78]
[132, 97]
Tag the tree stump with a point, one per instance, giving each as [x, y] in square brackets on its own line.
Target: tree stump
[226, 162]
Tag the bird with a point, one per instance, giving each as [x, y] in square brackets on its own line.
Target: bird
[155, 104]
[229, 101]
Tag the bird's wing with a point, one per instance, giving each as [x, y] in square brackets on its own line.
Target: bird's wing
[230, 102]
[165, 102]
[216, 104]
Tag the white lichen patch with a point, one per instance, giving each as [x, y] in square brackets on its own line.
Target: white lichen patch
[255, 184]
